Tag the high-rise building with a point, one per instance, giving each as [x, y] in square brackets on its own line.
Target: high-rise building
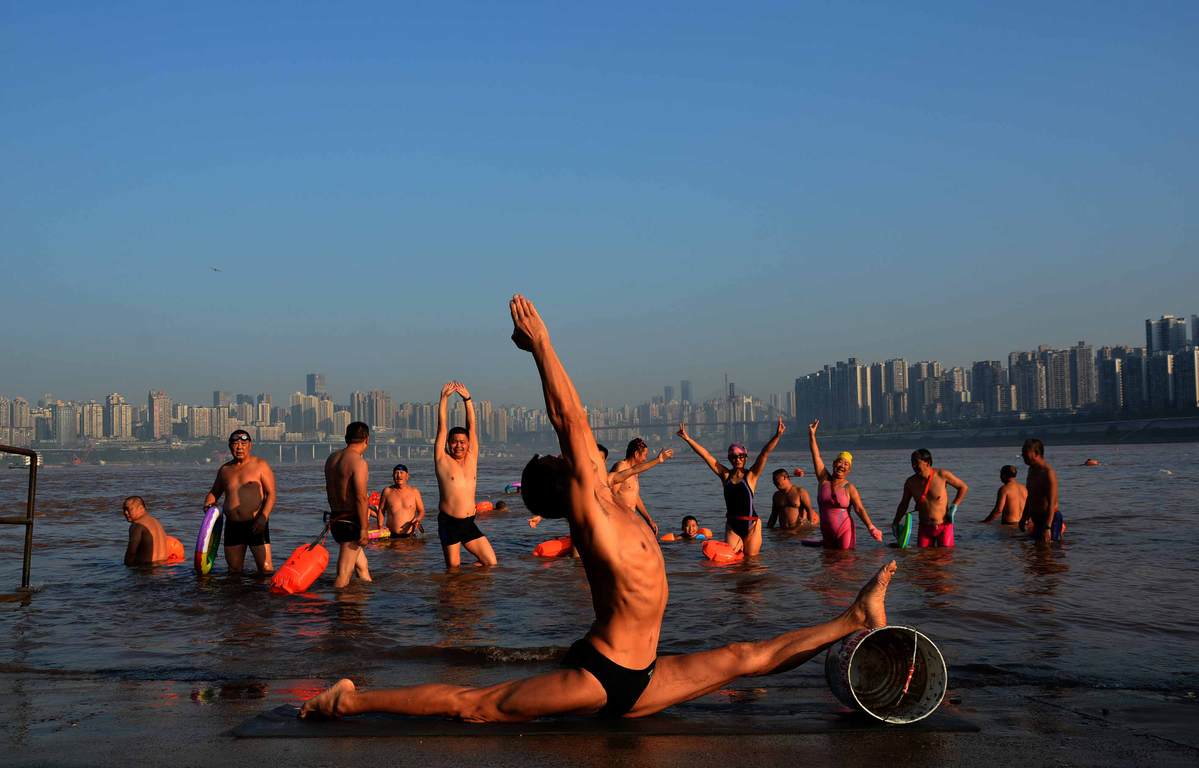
[813, 396]
[685, 391]
[1111, 384]
[21, 424]
[378, 409]
[1058, 395]
[64, 420]
[221, 399]
[315, 384]
[159, 415]
[1135, 379]
[1161, 381]
[986, 382]
[1195, 330]
[1186, 379]
[667, 394]
[1083, 386]
[1026, 372]
[5, 420]
[880, 404]
[358, 406]
[199, 423]
[1168, 334]
[91, 420]
[324, 414]
[262, 397]
[341, 420]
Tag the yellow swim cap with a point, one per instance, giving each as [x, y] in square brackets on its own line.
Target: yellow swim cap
[847, 456]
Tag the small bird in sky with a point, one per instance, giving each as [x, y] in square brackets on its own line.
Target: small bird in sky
[215, 269]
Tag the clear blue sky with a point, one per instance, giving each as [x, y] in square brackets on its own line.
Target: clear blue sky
[683, 189]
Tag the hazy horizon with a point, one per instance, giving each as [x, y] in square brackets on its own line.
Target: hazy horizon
[683, 190]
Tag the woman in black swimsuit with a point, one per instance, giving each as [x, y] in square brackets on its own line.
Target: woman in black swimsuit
[743, 530]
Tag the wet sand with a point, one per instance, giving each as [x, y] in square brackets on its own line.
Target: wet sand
[59, 720]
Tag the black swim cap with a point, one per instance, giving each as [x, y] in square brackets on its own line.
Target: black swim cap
[399, 468]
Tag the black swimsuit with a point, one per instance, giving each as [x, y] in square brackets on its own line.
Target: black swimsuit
[739, 513]
[624, 686]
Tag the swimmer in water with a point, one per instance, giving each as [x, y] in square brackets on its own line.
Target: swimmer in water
[247, 483]
[791, 505]
[623, 476]
[149, 543]
[836, 496]
[345, 488]
[1009, 499]
[456, 459]
[927, 486]
[401, 505]
[1041, 508]
[742, 525]
[614, 670]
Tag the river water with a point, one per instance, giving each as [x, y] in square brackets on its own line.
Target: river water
[1113, 607]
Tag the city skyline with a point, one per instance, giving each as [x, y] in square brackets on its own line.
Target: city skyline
[1160, 377]
[684, 190]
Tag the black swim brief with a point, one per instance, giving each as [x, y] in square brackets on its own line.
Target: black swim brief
[456, 530]
[240, 533]
[345, 530]
[623, 685]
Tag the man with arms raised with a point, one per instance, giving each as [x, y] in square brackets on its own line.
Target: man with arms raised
[345, 487]
[615, 669]
[927, 485]
[401, 505]
[624, 481]
[456, 459]
[248, 485]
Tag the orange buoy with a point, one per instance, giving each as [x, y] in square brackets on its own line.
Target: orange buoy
[483, 506]
[175, 553]
[721, 552]
[705, 532]
[301, 569]
[558, 547]
[668, 537]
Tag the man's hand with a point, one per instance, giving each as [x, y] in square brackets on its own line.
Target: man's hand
[364, 539]
[682, 430]
[448, 389]
[665, 454]
[813, 427]
[534, 520]
[259, 523]
[462, 390]
[781, 427]
[528, 329]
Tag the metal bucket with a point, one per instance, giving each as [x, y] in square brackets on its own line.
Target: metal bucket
[869, 671]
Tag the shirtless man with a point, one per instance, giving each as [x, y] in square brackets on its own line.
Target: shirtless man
[345, 487]
[148, 544]
[401, 505]
[625, 483]
[1048, 525]
[1010, 499]
[791, 505]
[248, 485]
[615, 670]
[457, 465]
[927, 487]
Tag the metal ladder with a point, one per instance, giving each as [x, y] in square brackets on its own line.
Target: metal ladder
[27, 520]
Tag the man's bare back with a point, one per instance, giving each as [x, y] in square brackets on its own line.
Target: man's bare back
[1009, 503]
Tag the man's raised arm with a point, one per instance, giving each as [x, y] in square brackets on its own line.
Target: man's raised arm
[562, 403]
[442, 422]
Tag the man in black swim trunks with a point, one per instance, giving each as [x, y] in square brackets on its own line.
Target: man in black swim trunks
[345, 486]
[615, 670]
[248, 485]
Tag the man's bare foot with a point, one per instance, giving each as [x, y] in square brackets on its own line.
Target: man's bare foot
[870, 608]
[325, 705]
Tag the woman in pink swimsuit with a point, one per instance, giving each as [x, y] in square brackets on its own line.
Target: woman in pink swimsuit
[836, 496]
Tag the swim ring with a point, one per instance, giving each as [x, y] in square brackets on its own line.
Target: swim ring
[209, 540]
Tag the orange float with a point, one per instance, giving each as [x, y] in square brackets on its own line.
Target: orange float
[306, 563]
[175, 553]
[722, 552]
[483, 506]
[559, 547]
